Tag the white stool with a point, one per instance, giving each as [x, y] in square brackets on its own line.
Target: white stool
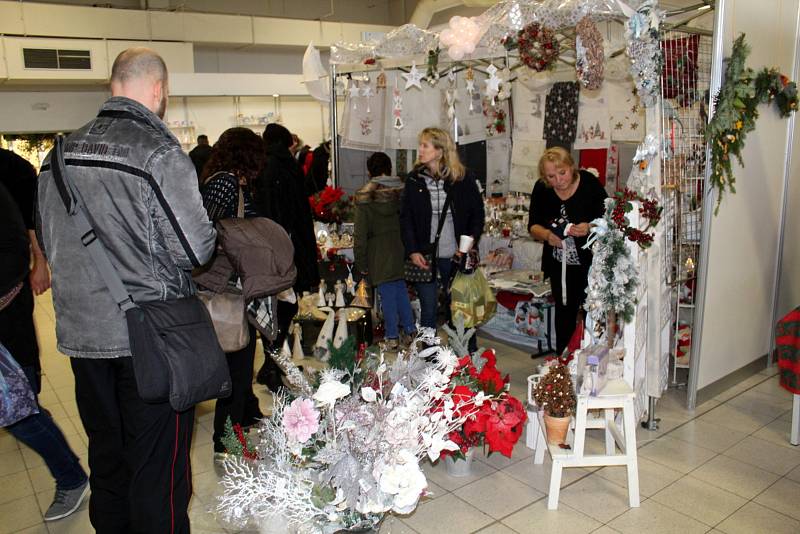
[616, 395]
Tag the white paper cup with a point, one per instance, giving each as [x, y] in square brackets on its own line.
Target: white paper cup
[465, 243]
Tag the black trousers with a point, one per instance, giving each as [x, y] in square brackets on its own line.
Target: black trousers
[285, 314]
[18, 333]
[567, 315]
[240, 364]
[140, 472]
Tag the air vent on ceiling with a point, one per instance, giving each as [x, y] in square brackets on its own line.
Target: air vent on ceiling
[51, 58]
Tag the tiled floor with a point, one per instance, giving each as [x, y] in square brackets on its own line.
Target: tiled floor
[726, 468]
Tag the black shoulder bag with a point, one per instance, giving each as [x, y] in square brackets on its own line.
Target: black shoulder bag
[176, 355]
[416, 274]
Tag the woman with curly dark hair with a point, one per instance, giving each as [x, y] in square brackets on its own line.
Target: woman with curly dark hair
[236, 160]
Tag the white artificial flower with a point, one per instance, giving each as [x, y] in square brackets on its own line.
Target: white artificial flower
[479, 398]
[369, 394]
[436, 445]
[329, 392]
[403, 479]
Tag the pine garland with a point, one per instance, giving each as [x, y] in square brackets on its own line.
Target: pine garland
[735, 113]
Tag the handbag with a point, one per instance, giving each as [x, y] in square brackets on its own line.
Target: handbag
[175, 351]
[228, 309]
[413, 272]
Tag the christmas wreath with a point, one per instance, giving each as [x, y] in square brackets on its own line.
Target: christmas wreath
[589, 54]
[538, 46]
[736, 112]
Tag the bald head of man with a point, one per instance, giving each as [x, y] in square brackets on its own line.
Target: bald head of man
[141, 75]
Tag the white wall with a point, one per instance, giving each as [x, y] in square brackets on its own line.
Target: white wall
[41, 112]
[744, 236]
[789, 291]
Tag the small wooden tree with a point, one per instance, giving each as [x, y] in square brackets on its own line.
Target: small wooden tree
[554, 393]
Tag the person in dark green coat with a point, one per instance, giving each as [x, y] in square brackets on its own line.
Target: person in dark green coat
[378, 249]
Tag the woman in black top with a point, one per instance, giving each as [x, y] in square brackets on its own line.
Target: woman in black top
[565, 196]
[236, 159]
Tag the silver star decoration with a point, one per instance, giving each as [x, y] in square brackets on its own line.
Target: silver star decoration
[413, 77]
[353, 90]
[492, 82]
[367, 91]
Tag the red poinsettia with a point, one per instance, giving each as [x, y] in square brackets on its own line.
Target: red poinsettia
[330, 205]
[499, 420]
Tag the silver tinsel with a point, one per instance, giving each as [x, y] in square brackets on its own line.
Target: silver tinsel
[642, 31]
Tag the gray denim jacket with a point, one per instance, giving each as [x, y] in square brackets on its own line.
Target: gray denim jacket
[141, 193]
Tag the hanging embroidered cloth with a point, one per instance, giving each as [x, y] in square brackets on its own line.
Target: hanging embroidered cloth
[593, 121]
[561, 114]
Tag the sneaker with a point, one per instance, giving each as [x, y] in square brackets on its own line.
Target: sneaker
[407, 339]
[66, 502]
[391, 344]
[219, 463]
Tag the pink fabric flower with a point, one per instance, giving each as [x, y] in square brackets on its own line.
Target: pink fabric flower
[301, 420]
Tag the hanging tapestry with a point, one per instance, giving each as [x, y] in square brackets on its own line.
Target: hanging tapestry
[528, 111]
[522, 178]
[612, 169]
[561, 114]
[498, 165]
[626, 115]
[469, 110]
[593, 121]
[679, 73]
[363, 117]
[420, 108]
[525, 156]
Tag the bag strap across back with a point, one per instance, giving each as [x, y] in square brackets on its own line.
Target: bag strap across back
[76, 209]
[442, 219]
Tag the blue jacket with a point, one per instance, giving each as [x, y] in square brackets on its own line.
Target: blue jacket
[141, 193]
[416, 212]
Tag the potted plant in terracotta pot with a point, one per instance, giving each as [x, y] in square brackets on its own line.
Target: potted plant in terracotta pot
[555, 395]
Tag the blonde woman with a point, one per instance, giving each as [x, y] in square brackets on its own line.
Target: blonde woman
[438, 181]
[563, 203]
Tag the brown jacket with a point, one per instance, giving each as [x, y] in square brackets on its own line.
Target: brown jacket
[258, 250]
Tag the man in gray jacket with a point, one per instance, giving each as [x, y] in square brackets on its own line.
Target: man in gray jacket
[141, 194]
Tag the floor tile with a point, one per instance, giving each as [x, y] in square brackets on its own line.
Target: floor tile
[768, 456]
[708, 435]
[776, 432]
[41, 528]
[605, 529]
[395, 525]
[736, 477]
[536, 519]
[497, 528]
[498, 461]
[434, 491]
[11, 462]
[753, 517]
[19, 514]
[653, 477]
[438, 474]
[654, 517]
[596, 497]
[699, 500]
[783, 497]
[15, 486]
[8, 443]
[460, 517]
[794, 474]
[754, 401]
[538, 476]
[737, 419]
[498, 494]
[676, 454]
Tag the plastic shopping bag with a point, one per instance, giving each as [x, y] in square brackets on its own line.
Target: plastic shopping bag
[472, 299]
[17, 400]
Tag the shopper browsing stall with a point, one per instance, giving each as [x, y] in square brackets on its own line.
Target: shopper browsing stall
[563, 202]
[378, 250]
[441, 201]
[236, 160]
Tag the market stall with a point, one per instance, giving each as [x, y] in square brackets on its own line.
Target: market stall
[521, 77]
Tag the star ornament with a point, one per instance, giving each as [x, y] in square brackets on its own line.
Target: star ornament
[492, 82]
[413, 77]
